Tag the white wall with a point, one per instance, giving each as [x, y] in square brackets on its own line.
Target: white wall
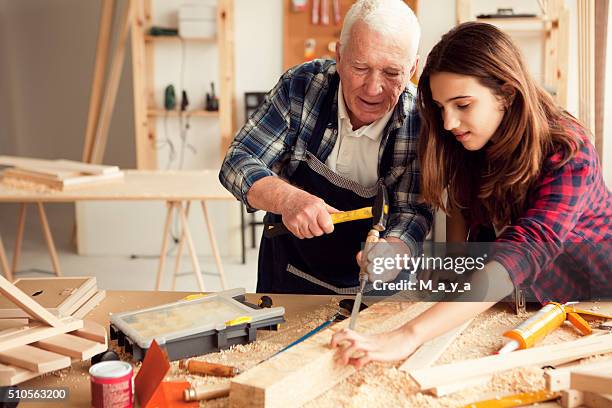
[258, 61]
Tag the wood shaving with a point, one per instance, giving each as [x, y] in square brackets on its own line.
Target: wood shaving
[382, 384]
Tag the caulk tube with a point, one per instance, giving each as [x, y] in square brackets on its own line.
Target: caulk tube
[534, 329]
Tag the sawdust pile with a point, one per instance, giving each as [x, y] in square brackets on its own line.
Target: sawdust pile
[382, 384]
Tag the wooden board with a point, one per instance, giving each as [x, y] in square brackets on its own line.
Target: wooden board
[92, 331]
[71, 345]
[90, 304]
[59, 295]
[306, 370]
[544, 355]
[36, 332]
[34, 359]
[65, 182]
[16, 296]
[430, 351]
[56, 165]
[559, 379]
[597, 381]
[593, 400]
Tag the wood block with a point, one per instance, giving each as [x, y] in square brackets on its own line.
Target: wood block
[461, 371]
[308, 369]
[11, 375]
[430, 351]
[26, 303]
[559, 379]
[92, 331]
[36, 332]
[34, 359]
[59, 295]
[90, 304]
[591, 381]
[592, 400]
[572, 399]
[13, 323]
[71, 345]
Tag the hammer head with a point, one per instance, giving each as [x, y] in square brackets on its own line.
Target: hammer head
[380, 209]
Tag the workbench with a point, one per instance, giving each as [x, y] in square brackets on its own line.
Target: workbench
[176, 188]
[296, 308]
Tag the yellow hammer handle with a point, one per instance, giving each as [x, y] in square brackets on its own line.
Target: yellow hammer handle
[516, 400]
[360, 214]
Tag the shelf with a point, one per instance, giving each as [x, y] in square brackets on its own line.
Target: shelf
[518, 24]
[173, 38]
[196, 112]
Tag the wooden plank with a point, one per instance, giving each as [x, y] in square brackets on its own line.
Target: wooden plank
[92, 331]
[308, 369]
[34, 359]
[71, 345]
[146, 156]
[59, 295]
[4, 262]
[591, 381]
[227, 96]
[592, 400]
[13, 323]
[559, 379]
[36, 332]
[22, 300]
[90, 304]
[429, 352]
[57, 166]
[64, 184]
[447, 389]
[102, 49]
[11, 375]
[461, 371]
[112, 85]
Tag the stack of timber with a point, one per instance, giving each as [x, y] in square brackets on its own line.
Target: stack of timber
[43, 342]
[62, 175]
[61, 296]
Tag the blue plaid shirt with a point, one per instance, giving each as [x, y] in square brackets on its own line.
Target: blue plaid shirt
[275, 138]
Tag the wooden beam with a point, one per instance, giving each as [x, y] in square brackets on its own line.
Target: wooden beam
[429, 352]
[71, 345]
[92, 331]
[462, 371]
[146, 156]
[90, 304]
[591, 381]
[559, 379]
[572, 399]
[4, 262]
[593, 400]
[102, 49]
[36, 332]
[308, 369]
[227, 97]
[112, 85]
[26, 303]
[34, 359]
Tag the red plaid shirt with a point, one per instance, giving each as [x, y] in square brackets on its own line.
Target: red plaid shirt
[560, 248]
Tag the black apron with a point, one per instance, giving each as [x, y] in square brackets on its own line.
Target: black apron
[325, 264]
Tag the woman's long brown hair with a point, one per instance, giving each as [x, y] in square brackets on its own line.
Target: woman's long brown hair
[491, 184]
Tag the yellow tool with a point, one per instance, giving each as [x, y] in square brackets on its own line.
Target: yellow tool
[547, 319]
[272, 230]
[517, 400]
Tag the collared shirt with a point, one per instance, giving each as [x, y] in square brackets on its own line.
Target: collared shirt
[275, 138]
[560, 247]
[354, 154]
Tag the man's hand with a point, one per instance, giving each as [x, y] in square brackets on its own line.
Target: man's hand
[359, 349]
[306, 215]
[386, 249]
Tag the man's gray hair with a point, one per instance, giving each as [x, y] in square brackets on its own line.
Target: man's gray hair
[388, 17]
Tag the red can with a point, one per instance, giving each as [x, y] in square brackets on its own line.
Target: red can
[112, 384]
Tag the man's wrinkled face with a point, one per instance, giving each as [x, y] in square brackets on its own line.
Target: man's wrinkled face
[374, 70]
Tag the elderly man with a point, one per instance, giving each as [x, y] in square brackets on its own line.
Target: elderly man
[324, 139]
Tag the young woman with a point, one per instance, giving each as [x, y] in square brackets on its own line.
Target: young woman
[508, 159]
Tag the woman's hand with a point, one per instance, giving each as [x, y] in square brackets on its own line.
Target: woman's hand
[359, 349]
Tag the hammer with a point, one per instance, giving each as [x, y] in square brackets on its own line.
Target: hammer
[379, 223]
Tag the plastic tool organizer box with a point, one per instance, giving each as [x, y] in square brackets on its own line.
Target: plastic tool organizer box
[188, 328]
